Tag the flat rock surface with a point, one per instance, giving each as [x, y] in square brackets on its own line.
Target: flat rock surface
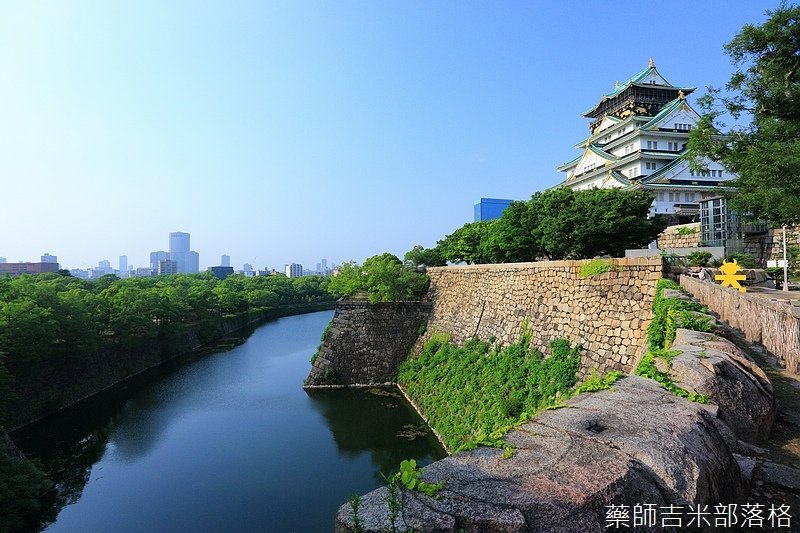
[635, 443]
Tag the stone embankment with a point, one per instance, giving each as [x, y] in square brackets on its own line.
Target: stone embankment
[607, 314]
[775, 325]
[632, 444]
[681, 236]
[366, 342]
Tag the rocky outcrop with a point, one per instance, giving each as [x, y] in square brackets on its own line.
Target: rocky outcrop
[634, 444]
[717, 368]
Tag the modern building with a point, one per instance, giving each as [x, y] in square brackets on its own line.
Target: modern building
[225, 261]
[80, 273]
[293, 270]
[490, 208]
[637, 140]
[167, 267]
[157, 257]
[143, 272]
[28, 268]
[123, 266]
[180, 252]
[47, 258]
[222, 271]
[103, 268]
[322, 268]
[3, 260]
[192, 262]
[179, 242]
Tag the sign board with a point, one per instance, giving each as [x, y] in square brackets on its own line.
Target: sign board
[775, 264]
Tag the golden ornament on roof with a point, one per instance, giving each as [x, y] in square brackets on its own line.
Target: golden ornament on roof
[651, 63]
[681, 95]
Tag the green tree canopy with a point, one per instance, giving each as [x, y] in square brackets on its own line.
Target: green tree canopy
[765, 154]
[383, 277]
[470, 243]
[558, 224]
[420, 257]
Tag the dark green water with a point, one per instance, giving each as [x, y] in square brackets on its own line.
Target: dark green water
[226, 442]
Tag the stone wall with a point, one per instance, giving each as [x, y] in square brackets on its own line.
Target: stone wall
[366, 342]
[671, 238]
[776, 325]
[608, 313]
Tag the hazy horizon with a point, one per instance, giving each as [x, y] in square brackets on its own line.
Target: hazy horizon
[279, 132]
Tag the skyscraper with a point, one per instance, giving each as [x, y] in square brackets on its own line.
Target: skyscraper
[47, 258]
[192, 262]
[226, 260]
[155, 257]
[123, 266]
[178, 242]
[187, 260]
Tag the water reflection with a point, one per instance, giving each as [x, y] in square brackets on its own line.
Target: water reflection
[375, 421]
[71, 442]
[228, 441]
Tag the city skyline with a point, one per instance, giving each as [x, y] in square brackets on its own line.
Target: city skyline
[278, 133]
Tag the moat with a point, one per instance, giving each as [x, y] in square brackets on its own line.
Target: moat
[228, 441]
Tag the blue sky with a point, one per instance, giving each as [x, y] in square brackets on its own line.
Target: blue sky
[292, 131]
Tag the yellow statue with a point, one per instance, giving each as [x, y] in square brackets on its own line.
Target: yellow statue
[729, 276]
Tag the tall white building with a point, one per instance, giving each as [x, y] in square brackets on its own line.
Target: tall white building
[293, 270]
[225, 260]
[47, 258]
[637, 140]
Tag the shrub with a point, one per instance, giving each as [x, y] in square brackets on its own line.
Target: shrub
[683, 232]
[698, 258]
[744, 260]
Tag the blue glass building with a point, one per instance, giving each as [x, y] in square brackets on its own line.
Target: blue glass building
[490, 208]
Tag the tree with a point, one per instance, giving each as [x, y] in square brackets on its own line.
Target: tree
[420, 257]
[514, 236]
[348, 280]
[383, 277]
[765, 154]
[566, 224]
[470, 243]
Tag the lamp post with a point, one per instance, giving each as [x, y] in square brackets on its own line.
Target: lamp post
[785, 263]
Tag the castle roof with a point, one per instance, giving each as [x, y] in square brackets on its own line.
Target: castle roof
[649, 78]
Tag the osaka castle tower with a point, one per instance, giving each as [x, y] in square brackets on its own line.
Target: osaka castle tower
[637, 140]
